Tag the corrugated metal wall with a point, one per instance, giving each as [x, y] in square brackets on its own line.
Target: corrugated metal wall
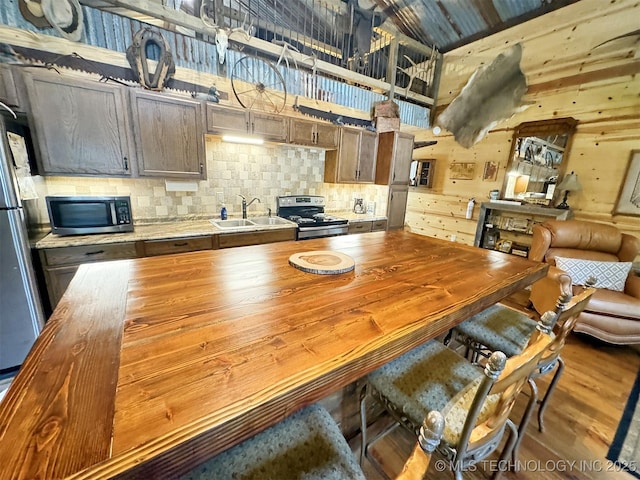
[102, 29]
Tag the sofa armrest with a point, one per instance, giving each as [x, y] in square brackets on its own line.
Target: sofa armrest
[632, 287]
[545, 292]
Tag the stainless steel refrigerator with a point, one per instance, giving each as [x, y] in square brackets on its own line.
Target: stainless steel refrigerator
[21, 317]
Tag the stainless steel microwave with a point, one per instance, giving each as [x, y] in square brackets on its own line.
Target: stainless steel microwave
[70, 215]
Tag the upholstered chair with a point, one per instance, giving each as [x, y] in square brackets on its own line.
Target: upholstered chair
[589, 248]
[309, 444]
[502, 328]
[475, 404]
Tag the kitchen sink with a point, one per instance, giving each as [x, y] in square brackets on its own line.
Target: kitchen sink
[233, 223]
[270, 221]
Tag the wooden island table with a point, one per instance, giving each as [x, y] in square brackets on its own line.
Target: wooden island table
[149, 366]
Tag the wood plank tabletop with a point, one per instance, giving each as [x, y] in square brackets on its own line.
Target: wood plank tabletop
[149, 366]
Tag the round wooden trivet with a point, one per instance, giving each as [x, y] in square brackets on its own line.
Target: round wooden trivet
[322, 262]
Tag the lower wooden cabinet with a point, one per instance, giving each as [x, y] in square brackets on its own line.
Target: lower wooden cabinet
[359, 227]
[227, 240]
[367, 226]
[177, 245]
[60, 264]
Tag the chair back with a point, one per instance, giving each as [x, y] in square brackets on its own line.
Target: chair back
[568, 309]
[494, 398]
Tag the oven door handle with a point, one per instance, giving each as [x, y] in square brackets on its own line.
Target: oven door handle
[322, 227]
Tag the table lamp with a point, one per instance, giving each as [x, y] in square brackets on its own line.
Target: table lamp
[569, 183]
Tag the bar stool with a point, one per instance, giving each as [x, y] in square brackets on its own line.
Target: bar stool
[508, 330]
[308, 444]
[475, 404]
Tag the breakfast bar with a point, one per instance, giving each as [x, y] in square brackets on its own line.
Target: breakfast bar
[149, 366]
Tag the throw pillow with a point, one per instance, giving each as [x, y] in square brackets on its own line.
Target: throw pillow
[609, 275]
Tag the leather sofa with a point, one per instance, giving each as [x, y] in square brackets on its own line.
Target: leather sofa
[612, 316]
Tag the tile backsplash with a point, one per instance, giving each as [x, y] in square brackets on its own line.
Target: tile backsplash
[264, 171]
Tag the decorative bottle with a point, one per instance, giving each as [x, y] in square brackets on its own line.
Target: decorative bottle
[223, 212]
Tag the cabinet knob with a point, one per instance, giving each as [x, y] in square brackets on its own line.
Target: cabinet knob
[201, 168]
[126, 163]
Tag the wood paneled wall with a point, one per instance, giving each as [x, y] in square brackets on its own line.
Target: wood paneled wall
[575, 67]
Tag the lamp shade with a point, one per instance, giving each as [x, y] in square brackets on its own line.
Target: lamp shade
[570, 183]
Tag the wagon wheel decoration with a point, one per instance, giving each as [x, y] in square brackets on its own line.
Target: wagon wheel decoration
[257, 84]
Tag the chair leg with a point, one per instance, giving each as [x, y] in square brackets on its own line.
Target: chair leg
[507, 452]
[363, 425]
[545, 399]
[526, 416]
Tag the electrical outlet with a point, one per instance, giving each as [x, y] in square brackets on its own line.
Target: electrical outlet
[452, 238]
[220, 197]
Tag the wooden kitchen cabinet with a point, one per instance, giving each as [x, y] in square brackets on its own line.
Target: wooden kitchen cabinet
[60, 264]
[80, 127]
[169, 135]
[313, 134]
[222, 120]
[177, 245]
[355, 159]
[397, 206]
[395, 151]
[8, 92]
[241, 239]
[359, 226]
[363, 226]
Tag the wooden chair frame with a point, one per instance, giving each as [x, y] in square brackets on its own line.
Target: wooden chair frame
[502, 376]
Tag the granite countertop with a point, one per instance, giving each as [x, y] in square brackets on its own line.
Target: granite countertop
[151, 231]
[172, 229]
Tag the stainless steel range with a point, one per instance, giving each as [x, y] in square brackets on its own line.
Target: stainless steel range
[308, 212]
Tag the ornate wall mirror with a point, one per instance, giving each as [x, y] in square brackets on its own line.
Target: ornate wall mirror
[538, 160]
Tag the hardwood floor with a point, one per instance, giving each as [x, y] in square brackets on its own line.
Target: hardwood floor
[580, 421]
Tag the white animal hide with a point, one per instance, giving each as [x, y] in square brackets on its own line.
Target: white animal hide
[492, 94]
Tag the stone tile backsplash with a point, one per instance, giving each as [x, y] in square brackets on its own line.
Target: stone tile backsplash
[264, 171]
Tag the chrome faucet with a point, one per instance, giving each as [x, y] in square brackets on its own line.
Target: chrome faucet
[245, 204]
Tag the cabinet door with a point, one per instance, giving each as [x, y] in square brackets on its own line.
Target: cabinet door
[359, 227]
[326, 135]
[58, 279]
[302, 132]
[8, 90]
[226, 120]
[227, 240]
[367, 157]
[81, 127]
[348, 155]
[269, 127]
[176, 245]
[169, 135]
[397, 207]
[403, 152]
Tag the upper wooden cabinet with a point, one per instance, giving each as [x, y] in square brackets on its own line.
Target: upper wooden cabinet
[355, 159]
[81, 127]
[314, 134]
[395, 150]
[8, 91]
[221, 120]
[169, 135]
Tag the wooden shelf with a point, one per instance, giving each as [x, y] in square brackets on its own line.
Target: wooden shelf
[513, 223]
